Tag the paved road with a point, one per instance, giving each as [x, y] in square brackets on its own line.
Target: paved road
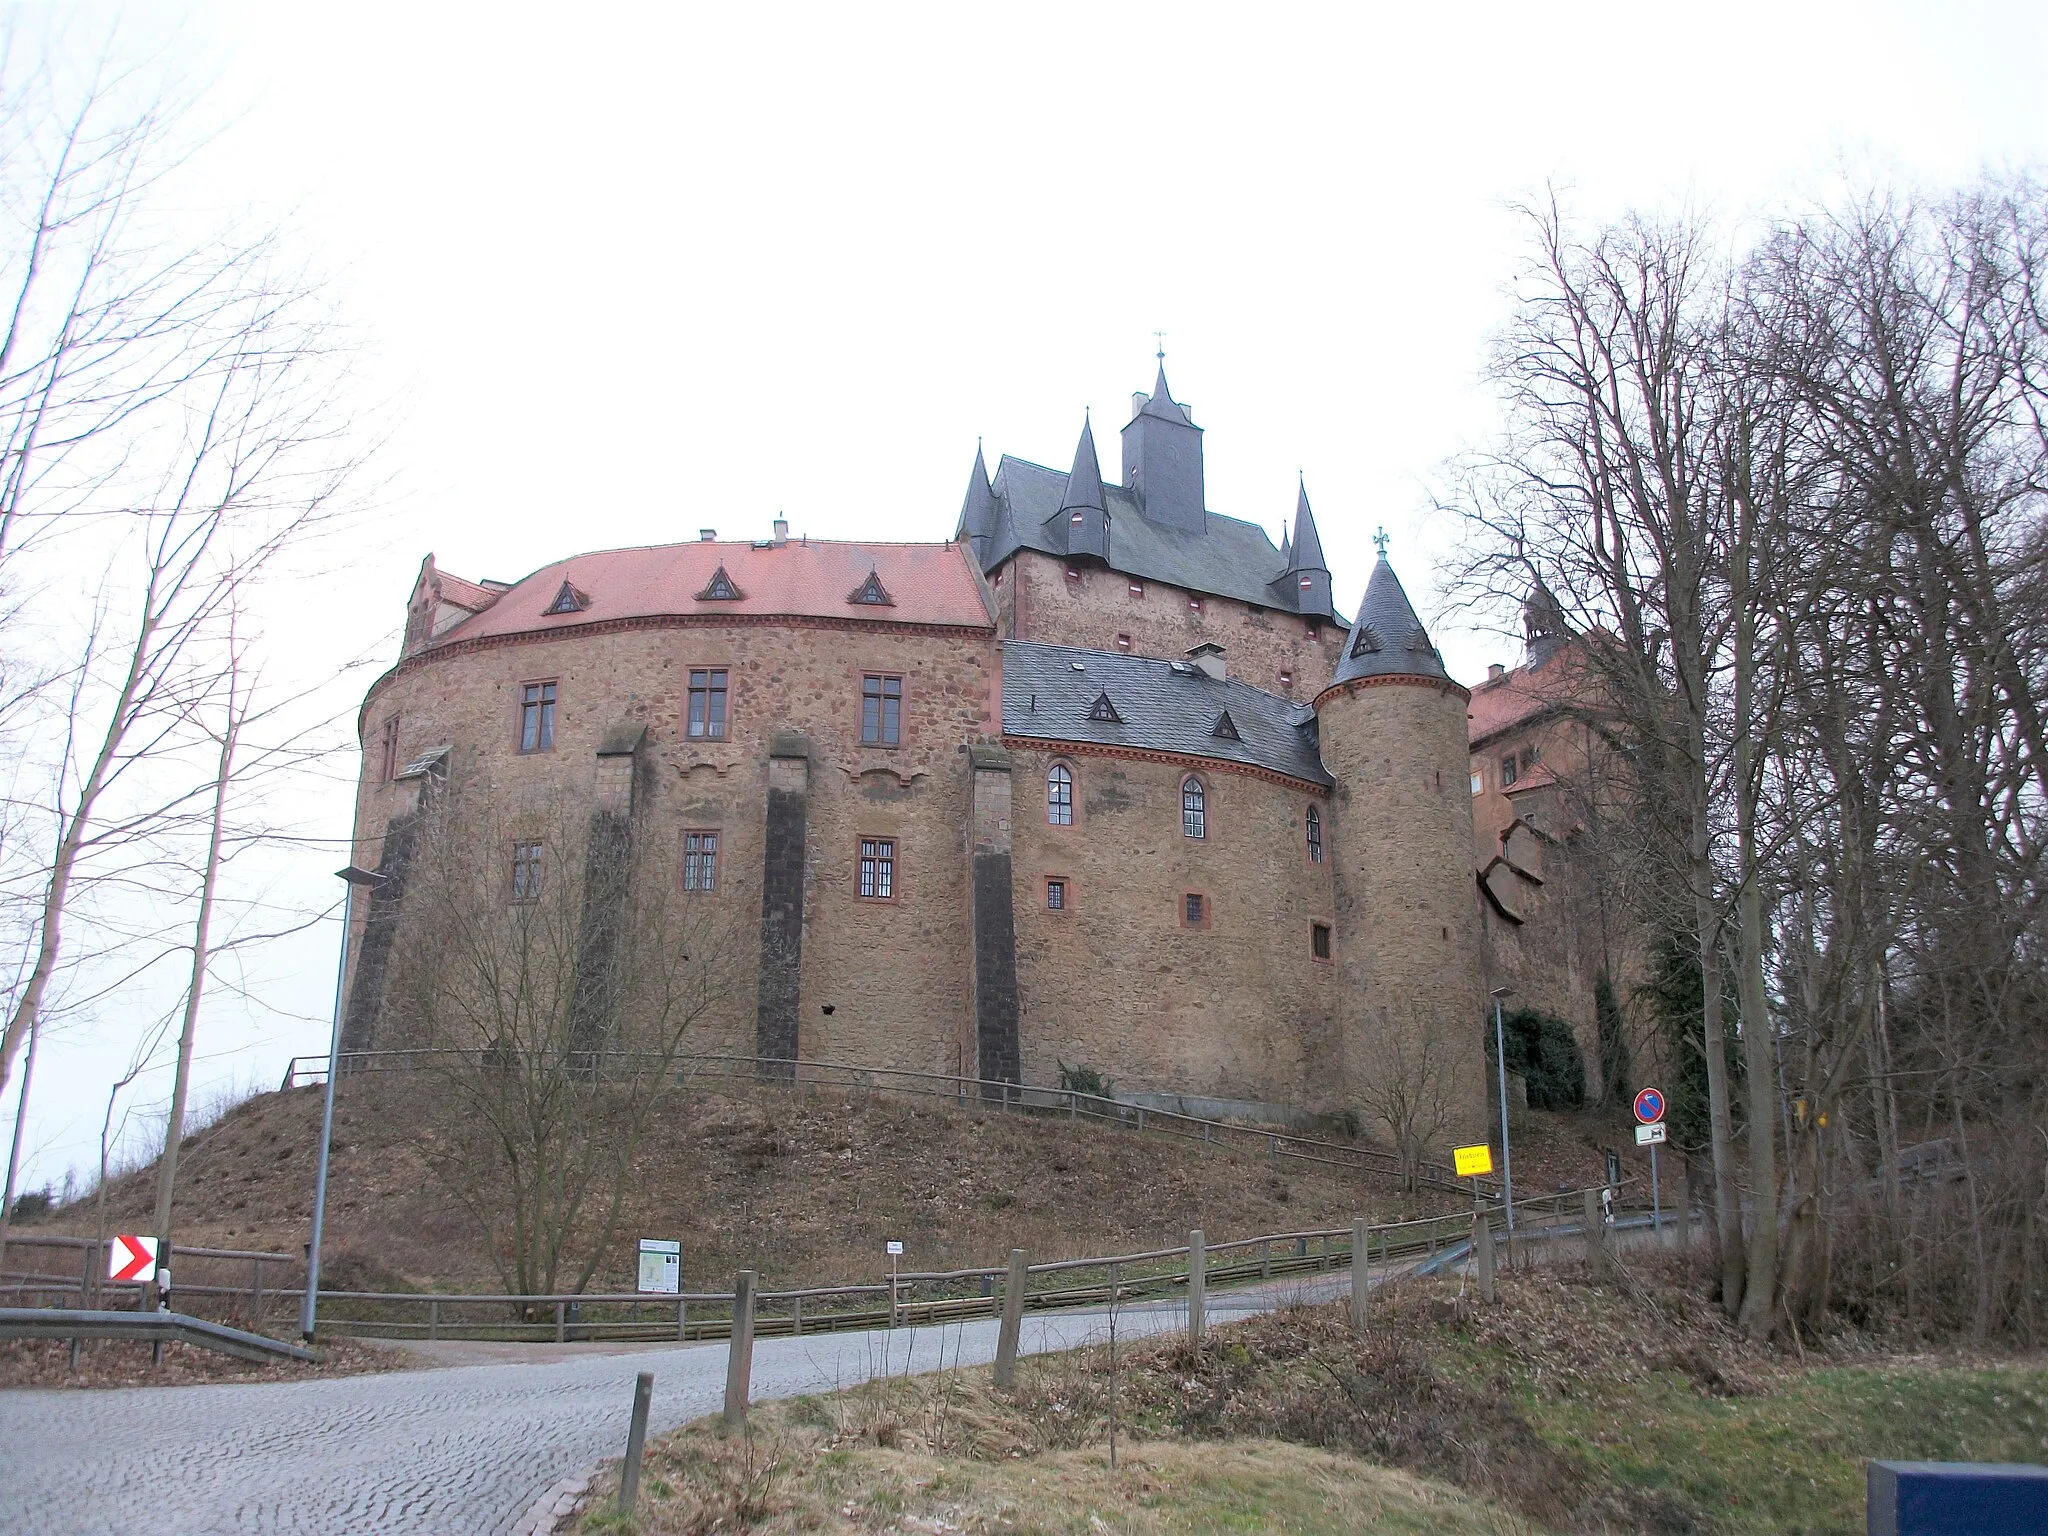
[453, 1451]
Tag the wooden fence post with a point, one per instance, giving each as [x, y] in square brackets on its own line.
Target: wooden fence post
[739, 1359]
[1361, 1272]
[1013, 1318]
[1596, 1231]
[1198, 1285]
[682, 1318]
[1482, 1248]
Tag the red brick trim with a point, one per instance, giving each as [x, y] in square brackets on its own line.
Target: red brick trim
[1393, 680]
[1146, 755]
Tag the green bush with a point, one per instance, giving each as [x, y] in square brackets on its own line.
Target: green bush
[1544, 1052]
[1086, 1080]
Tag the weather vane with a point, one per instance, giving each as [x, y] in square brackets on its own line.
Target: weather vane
[1380, 539]
[1160, 337]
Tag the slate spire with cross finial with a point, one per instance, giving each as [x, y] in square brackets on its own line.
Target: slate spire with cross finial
[1380, 541]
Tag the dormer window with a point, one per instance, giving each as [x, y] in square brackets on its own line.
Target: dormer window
[719, 589]
[1225, 729]
[1104, 711]
[872, 592]
[1365, 642]
[568, 600]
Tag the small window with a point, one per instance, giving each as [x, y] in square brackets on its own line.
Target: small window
[387, 760]
[1286, 678]
[537, 717]
[1507, 771]
[1530, 757]
[1478, 783]
[1194, 603]
[526, 868]
[707, 704]
[1123, 642]
[1055, 895]
[1315, 633]
[1194, 910]
[1194, 808]
[1074, 571]
[700, 861]
[1059, 795]
[1313, 821]
[1138, 589]
[878, 868]
[881, 710]
[1319, 940]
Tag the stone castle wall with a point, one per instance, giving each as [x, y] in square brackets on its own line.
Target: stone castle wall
[1038, 601]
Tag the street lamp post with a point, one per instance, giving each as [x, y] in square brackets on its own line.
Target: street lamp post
[309, 1306]
[1500, 1056]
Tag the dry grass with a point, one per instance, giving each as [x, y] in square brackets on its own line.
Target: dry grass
[803, 1189]
[126, 1363]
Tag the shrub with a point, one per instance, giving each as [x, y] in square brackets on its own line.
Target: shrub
[1085, 1080]
[1544, 1052]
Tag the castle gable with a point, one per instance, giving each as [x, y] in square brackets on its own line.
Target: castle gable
[1232, 559]
[1051, 693]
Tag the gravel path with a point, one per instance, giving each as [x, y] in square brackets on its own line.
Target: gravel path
[451, 1451]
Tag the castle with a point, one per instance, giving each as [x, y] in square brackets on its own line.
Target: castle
[1105, 781]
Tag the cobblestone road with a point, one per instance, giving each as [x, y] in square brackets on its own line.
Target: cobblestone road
[453, 1451]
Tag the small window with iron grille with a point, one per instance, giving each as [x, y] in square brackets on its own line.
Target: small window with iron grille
[881, 710]
[1194, 910]
[537, 717]
[526, 870]
[878, 868]
[706, 719]
[1055, 894]
[700, 861]
[1319, 940]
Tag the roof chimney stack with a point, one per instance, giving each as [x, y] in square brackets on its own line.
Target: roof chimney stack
[707, 535]
[1208, 659]
[781, 532]
[1494, 671]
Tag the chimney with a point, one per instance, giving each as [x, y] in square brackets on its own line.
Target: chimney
[1208, 657]
[1494, 670]
[781, 532]
[707, 535]
[1138, 399]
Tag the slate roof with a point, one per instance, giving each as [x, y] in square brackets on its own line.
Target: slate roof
[925, 583]
[1233, 559]
[1388, 640]
[1049, 692]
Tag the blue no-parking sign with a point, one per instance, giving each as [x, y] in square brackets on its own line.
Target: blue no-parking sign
[1650, 1106]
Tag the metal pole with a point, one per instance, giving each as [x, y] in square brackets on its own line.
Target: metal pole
[1507, 1161]
[309, 1316]
[1656, 1203]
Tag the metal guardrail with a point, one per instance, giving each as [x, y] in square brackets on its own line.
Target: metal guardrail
[157, 1327]
[984, 1092]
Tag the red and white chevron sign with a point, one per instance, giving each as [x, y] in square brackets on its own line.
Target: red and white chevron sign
[130, 1258]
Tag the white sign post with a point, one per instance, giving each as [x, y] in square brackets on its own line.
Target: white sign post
[1649, 1108]
[895, 1253]
[661, 1266]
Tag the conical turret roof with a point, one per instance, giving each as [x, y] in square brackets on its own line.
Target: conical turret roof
[1306, 553]
[1388, 640]
[1084, 483]
[978, 510]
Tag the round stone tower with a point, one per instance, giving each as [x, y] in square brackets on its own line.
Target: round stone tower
[1411, 996]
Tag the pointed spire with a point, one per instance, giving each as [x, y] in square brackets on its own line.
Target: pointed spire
[1307, 553]
[1286, 552]
[1084, 484]
[1162, 401]
[1388, 640]
[978, 510]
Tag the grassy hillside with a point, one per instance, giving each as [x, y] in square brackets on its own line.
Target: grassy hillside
[805, 1189]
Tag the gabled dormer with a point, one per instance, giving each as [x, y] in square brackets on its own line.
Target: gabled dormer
[439, 602]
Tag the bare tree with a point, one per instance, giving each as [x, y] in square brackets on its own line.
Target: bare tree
[1410, 1088]
[550, 970]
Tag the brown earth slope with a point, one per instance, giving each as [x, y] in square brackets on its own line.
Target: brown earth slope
[804, 1189]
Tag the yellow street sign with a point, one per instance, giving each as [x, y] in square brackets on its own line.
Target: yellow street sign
[1472, 1161]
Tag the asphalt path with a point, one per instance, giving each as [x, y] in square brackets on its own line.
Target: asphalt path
[452, 1450]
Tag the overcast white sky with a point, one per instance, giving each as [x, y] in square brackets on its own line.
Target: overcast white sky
[625, 272]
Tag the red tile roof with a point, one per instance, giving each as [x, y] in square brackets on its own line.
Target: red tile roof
[926, 584]
[464, 594]
[1519, 696]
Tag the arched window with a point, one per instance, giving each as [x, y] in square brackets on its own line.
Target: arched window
[1059, 795]
[1194, 807]
[1314, 822]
